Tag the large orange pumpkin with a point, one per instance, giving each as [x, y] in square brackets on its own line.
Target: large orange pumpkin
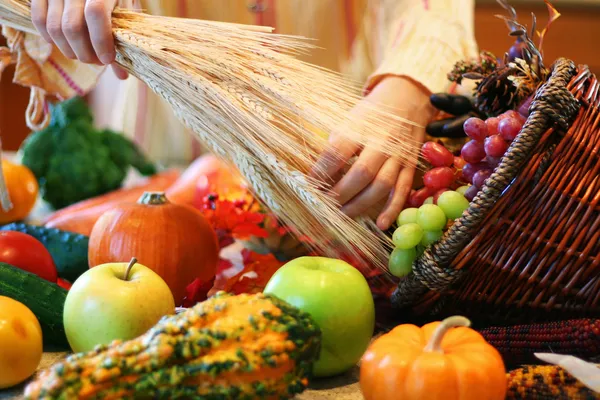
[442, 360]
[173, 240]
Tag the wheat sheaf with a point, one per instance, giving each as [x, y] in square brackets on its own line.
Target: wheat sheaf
[251, 101]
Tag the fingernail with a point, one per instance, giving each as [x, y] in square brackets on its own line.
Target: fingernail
[384, 223]
[106, 59]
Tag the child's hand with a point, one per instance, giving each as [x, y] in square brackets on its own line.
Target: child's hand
[81, 29]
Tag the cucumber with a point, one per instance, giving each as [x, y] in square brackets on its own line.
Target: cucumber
[68, 250]
[45, 299]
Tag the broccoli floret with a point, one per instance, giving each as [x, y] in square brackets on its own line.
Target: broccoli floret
[73, 161]
[125, 153]
[74, 109]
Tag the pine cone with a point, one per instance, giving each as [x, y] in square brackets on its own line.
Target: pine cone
[496, 93]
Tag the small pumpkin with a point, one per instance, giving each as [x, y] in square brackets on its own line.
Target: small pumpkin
[22, 189]
[442, 360]
[173, 240]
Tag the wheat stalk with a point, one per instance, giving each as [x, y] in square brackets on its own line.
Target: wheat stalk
[247, 97]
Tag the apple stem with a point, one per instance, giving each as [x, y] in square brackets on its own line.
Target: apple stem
[131, 264]
[435, 342]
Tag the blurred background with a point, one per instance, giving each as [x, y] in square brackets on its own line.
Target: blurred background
[572, 36]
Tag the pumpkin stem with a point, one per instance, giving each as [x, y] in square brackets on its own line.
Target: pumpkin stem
[128, 270]
[153, 199]
[435, 342]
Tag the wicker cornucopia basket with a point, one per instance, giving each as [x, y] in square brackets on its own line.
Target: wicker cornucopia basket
[528, 246]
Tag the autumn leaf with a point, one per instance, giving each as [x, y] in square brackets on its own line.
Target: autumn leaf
[553, 15]
[256, 273]
[232, 220]
[196, 292]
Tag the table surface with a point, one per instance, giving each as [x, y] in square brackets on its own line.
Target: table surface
[343, 387]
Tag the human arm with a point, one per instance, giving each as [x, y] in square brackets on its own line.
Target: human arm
[422, 41]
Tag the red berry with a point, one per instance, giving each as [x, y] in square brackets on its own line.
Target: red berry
[475, 128]
[509, 128]
[469, 170]
[480, 177]
[473, 152]
[439, 178]
[495, 146]
[459, 162]
[492, 125]
[513, 114]
[437, 155]
[417, 198]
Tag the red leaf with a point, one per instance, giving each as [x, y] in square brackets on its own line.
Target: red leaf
[257, 270]
[196, 292]
[223, 266]
[231, 220]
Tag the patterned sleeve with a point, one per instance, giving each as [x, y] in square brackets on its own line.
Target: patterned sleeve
[424, 39]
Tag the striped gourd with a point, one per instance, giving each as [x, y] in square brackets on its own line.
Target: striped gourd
[228, 347]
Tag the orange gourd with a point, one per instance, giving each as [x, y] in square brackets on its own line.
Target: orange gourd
[22, 189]
[442, 360]
[173, 240]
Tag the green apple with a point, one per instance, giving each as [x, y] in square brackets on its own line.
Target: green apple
[338, 298]
[114, 301]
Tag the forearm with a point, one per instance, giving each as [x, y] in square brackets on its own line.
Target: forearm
[425, 40]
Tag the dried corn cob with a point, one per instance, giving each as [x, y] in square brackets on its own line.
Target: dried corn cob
[229, 347]
[546, 382]
[579, 338]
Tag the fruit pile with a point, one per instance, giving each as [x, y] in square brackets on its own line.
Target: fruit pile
[420, 227]
[489, 142]
[449, 186]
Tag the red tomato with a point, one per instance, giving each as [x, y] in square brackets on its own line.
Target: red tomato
[27, 253]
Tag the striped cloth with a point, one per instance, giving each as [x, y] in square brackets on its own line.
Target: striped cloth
[367, 39]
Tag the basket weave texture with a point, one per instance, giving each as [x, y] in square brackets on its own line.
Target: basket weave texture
[528, 246]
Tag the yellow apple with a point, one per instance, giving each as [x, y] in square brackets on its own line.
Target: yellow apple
[114, 301]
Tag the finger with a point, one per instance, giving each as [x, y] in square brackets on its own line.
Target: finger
[398, 197]
[75, 30]
[120, 73]
[379, 189]
[333, 158]
[360, 175]
[98, 18]
[55, 30]
[39, 17]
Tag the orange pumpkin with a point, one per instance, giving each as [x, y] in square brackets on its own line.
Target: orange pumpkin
[442, 360]
[22, 189]
[174, 240]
